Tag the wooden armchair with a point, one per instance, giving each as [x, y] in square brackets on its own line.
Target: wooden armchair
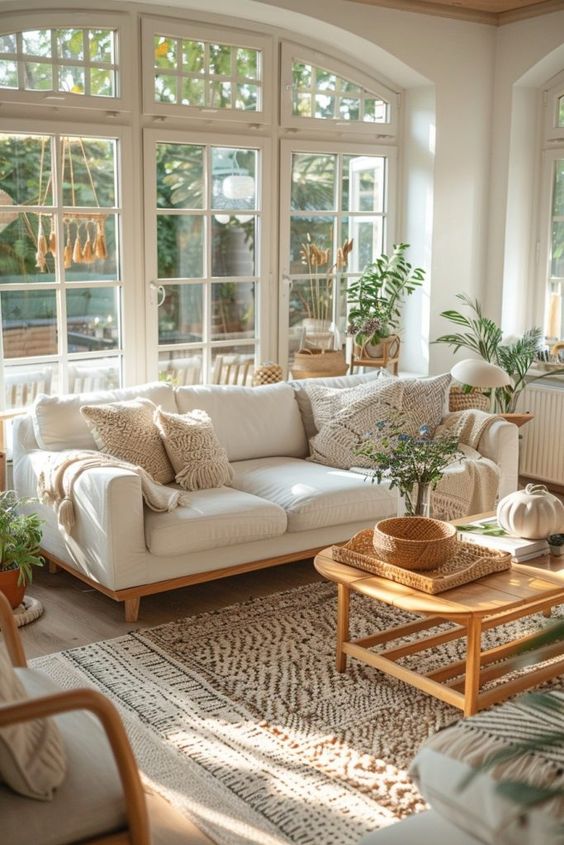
[102, 800]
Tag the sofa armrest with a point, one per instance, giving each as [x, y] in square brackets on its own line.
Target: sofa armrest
[109, 526]
[500, 443]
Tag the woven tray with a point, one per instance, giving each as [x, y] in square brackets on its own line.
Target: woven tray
[469, 563]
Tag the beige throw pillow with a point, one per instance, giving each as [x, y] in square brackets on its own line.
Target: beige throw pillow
[126, 431]
[327, 401]
[32, 755]
[336, 443]
[199, 460]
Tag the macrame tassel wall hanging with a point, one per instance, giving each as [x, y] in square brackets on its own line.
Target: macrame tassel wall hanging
[88, 253]
[67, 254]
[77, 248]
[41, 254]
[100, 250]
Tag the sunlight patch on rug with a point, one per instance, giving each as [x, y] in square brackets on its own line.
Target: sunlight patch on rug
[241, 720]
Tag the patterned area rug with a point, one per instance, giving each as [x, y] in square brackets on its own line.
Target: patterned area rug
[240, 719]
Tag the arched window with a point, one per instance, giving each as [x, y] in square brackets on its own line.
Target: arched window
[552, 243]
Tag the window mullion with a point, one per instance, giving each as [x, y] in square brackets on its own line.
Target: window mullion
[57, 170]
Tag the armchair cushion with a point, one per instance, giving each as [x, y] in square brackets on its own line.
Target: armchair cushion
[88, 803]
[32, 756]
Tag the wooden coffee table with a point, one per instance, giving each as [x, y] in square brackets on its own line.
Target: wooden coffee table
[491, 601]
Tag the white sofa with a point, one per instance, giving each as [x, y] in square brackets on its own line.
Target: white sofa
[279, 508]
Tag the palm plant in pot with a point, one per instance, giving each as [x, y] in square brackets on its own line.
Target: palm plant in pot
[20, 536]
[484, 338]
[375, 298]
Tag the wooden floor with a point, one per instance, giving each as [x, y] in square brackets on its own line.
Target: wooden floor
[76, 615]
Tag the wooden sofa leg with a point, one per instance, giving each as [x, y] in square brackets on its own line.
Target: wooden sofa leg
[132, 609]
[52, 567]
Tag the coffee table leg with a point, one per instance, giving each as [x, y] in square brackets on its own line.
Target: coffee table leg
[473, 651]
[343, 599]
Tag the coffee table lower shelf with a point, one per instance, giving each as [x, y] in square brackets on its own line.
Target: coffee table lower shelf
[459, 682]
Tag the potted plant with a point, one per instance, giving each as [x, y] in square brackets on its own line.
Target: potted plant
[484, 337]
[376, 299]
[20, 536]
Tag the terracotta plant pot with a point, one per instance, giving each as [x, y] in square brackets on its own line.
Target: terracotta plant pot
[10, 587]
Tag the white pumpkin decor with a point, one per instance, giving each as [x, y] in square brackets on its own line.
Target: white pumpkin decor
[532, 513]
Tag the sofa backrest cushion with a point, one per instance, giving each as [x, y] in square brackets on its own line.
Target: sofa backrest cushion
[250, 422]
[58, 424]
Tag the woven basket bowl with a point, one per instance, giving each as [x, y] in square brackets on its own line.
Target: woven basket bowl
[414, 542]
[460, 401]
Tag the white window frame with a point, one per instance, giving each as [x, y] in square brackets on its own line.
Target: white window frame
[197, 31]
[545, 252]
[77, 20]
[264, 301]
[287, 149]
[291, 51]
[553, 91]
[125, 282]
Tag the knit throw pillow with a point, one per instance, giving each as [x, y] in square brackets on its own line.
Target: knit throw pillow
[337, 440]
[327, 401]
[32, 755]
[199, 460]
[126, 431]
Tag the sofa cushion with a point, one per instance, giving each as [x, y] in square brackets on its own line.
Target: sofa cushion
[32, 755]
[303, 399]
[88, 803]
[250, 422]
[216, 518]
[338, 440]
[127, 431]
[312, 495]
[57, 422]
[198, 458]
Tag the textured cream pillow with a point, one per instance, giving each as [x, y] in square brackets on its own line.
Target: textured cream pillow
[425, 402]
[327, 401]
[32, 755]
[126, 431]
[199, 460]
[337, 440]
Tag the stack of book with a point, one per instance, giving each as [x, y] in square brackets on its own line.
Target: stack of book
[487, 532]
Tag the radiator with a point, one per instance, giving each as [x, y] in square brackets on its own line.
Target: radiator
[542, 448]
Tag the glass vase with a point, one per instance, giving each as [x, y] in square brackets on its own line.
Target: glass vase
[417, 502]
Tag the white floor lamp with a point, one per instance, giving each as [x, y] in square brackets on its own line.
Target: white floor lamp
[479, 373]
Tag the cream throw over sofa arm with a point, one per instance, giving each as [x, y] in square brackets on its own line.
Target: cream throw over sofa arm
[500, 443]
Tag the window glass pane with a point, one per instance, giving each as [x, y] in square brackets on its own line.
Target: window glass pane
[180, 246]
[313, 182]
[180, 314]
[165, 88]
[322, 94]
[363, 183]
[220, 59]
[233, 364]
[310, 299]
[70, 44]
[558, 249]
[38, 76]
[22, 383]
[246, 97]
[349, 108]
[7, 43]
[303, 105]
[71, 79]
[247, 63]
[92, 319]
[325, 81]
[558, 196]
[233, 245]
[89, 171]
[193, 56]
[165, 51]
[220, 95]
[102, 82]
[37, 42]
[8, 74]
[29, 323]
[306, 232]
[233, 310]
[95, 374]
[193, 92]
[375, 111]
[324, 106]
[181, 368]
[302, 75]
[90, 249]
[367, 235]
[180, 176]
[561, 111]
[25, 170]
[25, 241]
[234, 178]
[101, 43]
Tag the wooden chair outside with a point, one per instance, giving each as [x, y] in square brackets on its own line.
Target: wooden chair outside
[233, 369]
[86, 379]
[20, 389]
[183, 372]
